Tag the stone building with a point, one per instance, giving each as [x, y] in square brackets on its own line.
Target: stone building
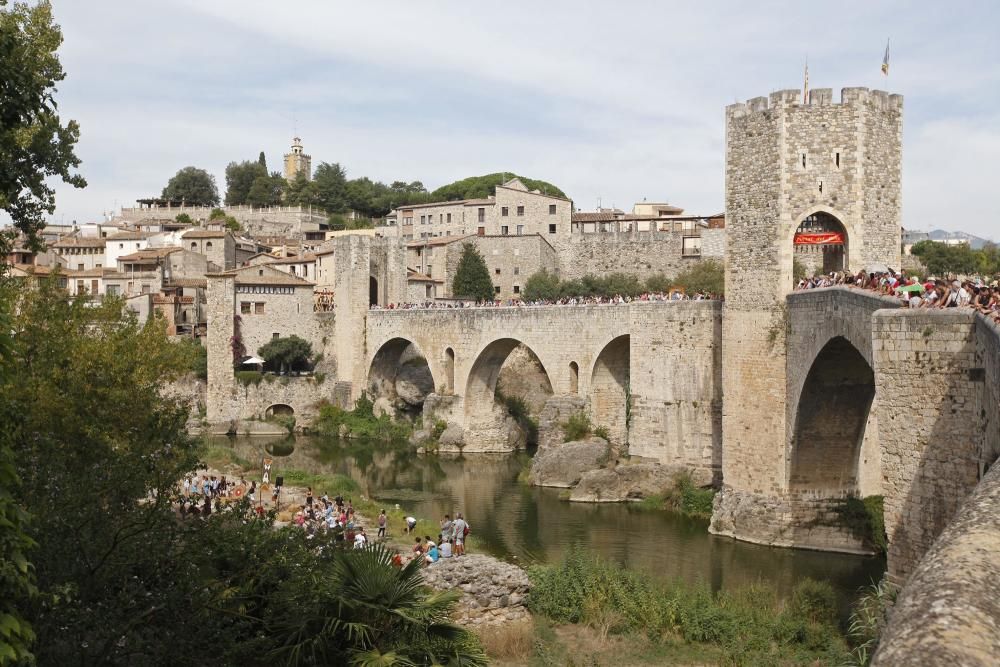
[81, 253]
[297, 162]
[125, 243]
[789, 164]
[219, 246]
[512, 211]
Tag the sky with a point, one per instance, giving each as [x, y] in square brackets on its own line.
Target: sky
[612, 101]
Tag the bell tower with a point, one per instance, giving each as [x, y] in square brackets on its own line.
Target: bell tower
[297, 162]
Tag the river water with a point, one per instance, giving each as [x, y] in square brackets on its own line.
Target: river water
[528, 524]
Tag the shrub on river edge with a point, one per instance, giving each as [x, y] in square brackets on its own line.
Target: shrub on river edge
[748, 626]
[683, 497]
[360, 422]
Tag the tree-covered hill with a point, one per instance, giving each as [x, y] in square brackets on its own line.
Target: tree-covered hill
[476, 187]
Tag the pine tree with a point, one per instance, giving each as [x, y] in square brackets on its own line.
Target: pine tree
[262, 161]
[472, 278]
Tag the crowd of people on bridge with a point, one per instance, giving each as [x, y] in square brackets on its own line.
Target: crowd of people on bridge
[675, 295]
[975, 292]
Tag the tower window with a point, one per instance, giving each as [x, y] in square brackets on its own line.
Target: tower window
[803, 160]
[836, 159]
[821, 186]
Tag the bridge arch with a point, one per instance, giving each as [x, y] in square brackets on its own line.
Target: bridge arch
[485, 417]
[400, 373]
[610, 388]
[831, 417]
[279, 410]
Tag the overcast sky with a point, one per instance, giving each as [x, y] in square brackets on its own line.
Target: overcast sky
[612, 101]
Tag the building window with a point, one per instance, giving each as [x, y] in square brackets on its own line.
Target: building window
[482, 215]
[517, 289]
[836, 160]
[449, 217]
[122, 245]
[552, 209]
[481, 231]
[520, 211]
[691, 246]
[504, 211]
[423, 220]
[497, 271]
[496, 288]
[79, 267]
[517, 270]
[504, 230]
[258, 308]
[520, 230]
[244, 307]
[440, 217]
[194, 246]
[275, 335]
[552, 229]
[803, 160]
[208, 246]
[113, 290]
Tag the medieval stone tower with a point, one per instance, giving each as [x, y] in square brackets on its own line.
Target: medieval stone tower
[818, 182]
[297, 162]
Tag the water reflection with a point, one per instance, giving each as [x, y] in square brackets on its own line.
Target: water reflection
[533, 525]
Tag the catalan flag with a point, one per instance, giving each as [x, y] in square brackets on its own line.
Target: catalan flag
[885, 59]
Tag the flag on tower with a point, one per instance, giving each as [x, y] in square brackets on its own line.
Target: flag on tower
[885, 59]
[805, 85]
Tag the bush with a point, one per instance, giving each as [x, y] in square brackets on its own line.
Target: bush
[247, 378]
[864, 518]
[750, 624]
[707, 276]
[198, 358]
[602, 432]
[360, 422]
[658, 282]
[577, 427]
[542, 286]
[285, 354]
[183, 218]
[815, 600]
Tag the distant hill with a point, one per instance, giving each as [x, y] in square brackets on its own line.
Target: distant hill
[478, 187]
[975, 242]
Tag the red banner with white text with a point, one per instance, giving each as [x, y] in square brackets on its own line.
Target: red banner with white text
[823, 238]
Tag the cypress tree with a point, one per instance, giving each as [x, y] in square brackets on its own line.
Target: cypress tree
[472, 278]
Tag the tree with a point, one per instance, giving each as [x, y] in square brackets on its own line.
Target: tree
[942, 258]
[542, 286]
[286, 353]
[193, 186]
[240, 177]
[72, 366]
[301, 192]
[658, 282]
[183, 218]
[35, 145]
[262, 161]
[266, 190]
[330, 186]
[472, 277]
[707, 277]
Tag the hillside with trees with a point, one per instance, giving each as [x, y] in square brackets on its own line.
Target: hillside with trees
[477, 187]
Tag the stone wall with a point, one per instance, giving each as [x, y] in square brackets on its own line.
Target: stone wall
[949, 611]
[642, 254]
[937, 423]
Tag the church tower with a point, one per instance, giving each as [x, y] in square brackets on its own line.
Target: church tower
[297, 162]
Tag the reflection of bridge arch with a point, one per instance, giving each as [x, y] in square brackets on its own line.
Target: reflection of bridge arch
[831, 416]
[609, 388]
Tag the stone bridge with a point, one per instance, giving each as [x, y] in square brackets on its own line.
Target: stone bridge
[649, 371]
[878, 400]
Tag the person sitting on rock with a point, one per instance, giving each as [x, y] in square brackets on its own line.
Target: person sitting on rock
[418, 549]
[445, 548]
[432, 554]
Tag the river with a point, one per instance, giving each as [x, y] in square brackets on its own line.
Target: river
[528, 524]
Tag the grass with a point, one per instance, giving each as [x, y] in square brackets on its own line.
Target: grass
[577, 427]
[510, 641]
[247, 378]
[749, 626]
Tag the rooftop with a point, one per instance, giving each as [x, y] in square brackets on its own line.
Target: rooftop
[149, 254]
[204, 234]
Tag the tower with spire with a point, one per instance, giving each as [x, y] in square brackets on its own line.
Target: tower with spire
[297, 162]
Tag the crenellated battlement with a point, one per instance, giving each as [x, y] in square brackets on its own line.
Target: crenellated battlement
[818, 97]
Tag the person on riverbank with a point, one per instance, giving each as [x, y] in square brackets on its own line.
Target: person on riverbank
[446, 548]
[432, 554]
[445, 528]
[418, 549]
[411, 523]
[382, 521]
[459, 530]
[309, 497]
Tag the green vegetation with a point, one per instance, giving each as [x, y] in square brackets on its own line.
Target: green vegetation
[285, 354]
[577, 427]
[799, 271]
[193, 186]
[360, 422]
[247, 378]
[684, 498]
[942, 258]
[518, 409]
[864, 517]
[707, 276]
[746, 627]
[868, 619]
[35, 145]
[183, 218]
[480, 187]
[472, 278]
[240, 178]
[198, 356]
